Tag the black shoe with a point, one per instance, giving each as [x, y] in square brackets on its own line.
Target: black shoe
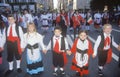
[8, 72]
[77, 73]
[62, 72]
[100, 72]
[55, 73]
[19, 70]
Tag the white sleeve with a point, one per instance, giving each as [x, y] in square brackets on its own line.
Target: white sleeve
[114, 43]
[41, 42]
[66, 44]
[21, 35]
[3, 38]
[49, 46]
[97, 43]
[25, 40]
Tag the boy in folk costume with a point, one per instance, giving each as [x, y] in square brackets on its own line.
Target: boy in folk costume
[33, 43]
[14, 41]
[2, 37]
[59, 46]
[82, 49]
[77, 19]
[103, 46]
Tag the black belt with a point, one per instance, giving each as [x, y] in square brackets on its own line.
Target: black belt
[82, 52]
[31, 47]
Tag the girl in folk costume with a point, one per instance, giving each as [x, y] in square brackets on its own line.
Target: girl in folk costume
[82, 49]
[34, 44]
[14, 41]
[2, 37]
[59, 46]
[97, 20]
[89, 20]
[62, 20]
[77, 19]
[103, 46]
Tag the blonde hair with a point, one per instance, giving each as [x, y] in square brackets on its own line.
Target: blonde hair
[31, 23]
[107, 25]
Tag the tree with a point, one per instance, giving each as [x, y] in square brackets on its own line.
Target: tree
[99, 4]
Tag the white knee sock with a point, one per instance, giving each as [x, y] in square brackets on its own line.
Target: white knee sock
[61, 69]
[55, 69]
[100, 67]
[18, 63]
[11, 65]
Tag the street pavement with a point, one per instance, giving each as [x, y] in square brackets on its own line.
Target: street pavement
[110, 70]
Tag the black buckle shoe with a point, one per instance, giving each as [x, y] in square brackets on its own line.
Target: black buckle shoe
[77, 73]
[62, 72]
[8, 72]
[100, 72]
[19, 70]
[55, 73]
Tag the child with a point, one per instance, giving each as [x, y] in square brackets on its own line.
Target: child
[63, 21]
[59, 46]
[34, 43]
[14, 41]
[77, 19]
[103, 46]
[82, 49]
[2, 37]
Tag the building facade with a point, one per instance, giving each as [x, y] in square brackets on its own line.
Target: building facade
[31, 5]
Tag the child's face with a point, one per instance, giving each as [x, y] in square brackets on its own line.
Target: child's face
[31, 28]
[57, 32]
[82, 36]
[107, 30]
[11, 20]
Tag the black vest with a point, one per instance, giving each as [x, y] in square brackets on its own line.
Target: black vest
[62, 43]
[16, 29]
[101, 46]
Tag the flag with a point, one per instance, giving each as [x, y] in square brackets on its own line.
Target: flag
[90, 21]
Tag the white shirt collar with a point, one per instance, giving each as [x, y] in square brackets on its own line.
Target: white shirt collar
[107, 35]
[57, 37]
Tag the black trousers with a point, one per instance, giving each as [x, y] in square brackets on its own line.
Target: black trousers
[12, 51]
[75, 31]
[102, 57]
[54, 23]
[1, 54]
[58, 59]
[64, 30]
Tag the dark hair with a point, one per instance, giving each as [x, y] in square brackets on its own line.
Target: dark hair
[10, 15]
[58, 28]
[83, 31]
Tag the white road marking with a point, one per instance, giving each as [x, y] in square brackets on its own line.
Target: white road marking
[116, 30]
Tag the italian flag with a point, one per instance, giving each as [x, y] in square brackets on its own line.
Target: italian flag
[90, 21]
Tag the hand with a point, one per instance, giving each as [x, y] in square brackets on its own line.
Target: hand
[93, 56]
[118, 48]
[22, 49]
[44, 51]
[69, 52]
[62, 51]
[1, 49]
